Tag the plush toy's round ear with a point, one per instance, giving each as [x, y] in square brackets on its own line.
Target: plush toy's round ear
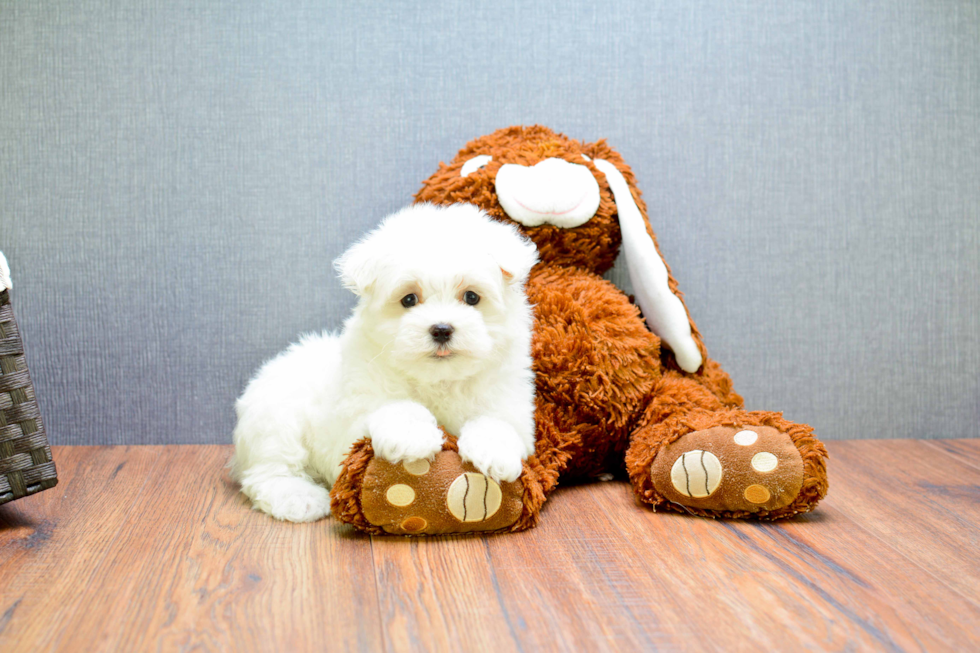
[663, 310]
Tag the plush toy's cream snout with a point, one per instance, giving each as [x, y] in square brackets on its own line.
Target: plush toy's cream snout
[553, 191]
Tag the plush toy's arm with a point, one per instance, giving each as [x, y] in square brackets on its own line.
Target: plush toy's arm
[662, 309]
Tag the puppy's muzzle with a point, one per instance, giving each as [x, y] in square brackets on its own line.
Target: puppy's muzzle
[441, 333]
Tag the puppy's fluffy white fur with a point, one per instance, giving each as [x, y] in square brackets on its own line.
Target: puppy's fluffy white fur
[386, 376]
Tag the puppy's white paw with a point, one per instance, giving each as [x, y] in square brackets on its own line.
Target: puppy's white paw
[494, 448]
[291, 498]
[404, 430]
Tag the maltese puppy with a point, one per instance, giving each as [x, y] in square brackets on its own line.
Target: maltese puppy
[441, 335]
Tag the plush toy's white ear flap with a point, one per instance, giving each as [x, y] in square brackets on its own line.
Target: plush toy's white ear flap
[662, 309]
[357, 269]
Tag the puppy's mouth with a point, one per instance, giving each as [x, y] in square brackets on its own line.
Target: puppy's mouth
[443, 353]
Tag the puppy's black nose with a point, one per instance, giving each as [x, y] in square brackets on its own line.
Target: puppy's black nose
[441, 333]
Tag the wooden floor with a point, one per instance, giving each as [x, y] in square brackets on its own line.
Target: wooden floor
[152, 548]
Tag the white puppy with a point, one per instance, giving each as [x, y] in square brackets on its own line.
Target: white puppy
[441, 335]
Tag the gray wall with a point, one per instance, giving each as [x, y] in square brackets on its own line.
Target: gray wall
[176, 176]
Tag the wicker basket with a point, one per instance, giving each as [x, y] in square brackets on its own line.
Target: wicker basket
[25, 457]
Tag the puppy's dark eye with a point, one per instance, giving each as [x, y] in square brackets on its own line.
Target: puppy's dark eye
[471, 298]
[408, 301]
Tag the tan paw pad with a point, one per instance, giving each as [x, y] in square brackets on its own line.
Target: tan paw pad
[473, 497]
[696, 474]
[764, 462]
[746, 438]
[418, 467]
[756, 494]
[400, 495]
[414, 524]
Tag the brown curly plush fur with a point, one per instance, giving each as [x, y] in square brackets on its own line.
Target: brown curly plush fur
[607, 392]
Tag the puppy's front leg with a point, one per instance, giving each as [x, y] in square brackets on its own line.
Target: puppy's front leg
[494, 447]
[404, 430]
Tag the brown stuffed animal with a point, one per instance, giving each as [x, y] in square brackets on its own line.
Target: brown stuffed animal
[609, 389]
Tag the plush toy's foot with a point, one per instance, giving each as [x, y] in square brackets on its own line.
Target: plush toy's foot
[424, 497]
[726, 468]
[759, 466]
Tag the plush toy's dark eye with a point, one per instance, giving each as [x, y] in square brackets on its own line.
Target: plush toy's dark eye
[471, 298]
[408, 301]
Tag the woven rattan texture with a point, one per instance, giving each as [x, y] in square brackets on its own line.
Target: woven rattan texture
[25, 457]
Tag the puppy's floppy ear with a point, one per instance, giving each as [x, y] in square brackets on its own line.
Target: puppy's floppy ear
[358, 267]
[513, 252]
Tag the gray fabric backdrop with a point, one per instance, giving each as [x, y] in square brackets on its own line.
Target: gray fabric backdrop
[176, 176]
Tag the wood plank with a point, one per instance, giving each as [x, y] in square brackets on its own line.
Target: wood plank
[744, 578]
[253, 583]
[544, 589]
[58, 539]
[152, 547]
[438, 594]
[195, 566]
[574, 583]
[967, 451]
[924, 504]
[861, 582]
